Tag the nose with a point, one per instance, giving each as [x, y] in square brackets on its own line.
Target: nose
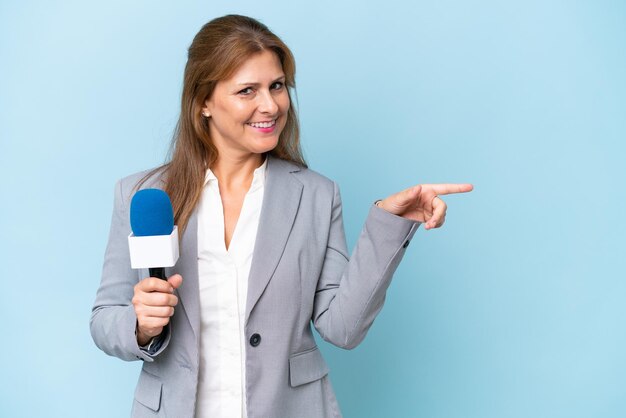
[267, 103]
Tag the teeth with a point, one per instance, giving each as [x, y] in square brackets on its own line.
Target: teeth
[263, 124]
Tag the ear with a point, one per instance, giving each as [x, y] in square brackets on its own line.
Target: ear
[205, 110]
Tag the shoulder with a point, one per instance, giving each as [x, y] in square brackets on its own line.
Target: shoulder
[315, 179]
[126, 187]
[317, 189]
[307, 176]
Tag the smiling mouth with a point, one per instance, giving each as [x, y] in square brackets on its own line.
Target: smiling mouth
[262, 124]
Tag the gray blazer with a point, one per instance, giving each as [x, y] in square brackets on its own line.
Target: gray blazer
[300, 275]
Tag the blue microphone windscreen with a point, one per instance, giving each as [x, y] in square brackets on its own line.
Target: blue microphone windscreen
[151, 213]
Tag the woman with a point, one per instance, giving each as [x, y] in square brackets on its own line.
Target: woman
[263, 250]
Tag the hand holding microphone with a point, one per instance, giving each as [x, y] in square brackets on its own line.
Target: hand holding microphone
[153, 245]
[154, 304]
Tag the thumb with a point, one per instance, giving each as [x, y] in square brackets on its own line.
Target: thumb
[407, 196]
[176, 280]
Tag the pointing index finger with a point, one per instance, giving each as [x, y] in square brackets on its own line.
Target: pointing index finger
[443, 189]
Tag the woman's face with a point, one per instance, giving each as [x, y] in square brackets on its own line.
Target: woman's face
[249, 110]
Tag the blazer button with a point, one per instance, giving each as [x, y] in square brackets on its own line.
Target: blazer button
[406, 244]
[255, 340]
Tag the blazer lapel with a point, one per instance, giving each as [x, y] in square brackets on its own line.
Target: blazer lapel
[281, 200]
[187, 266]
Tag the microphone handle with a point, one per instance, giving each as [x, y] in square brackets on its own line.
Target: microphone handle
[158, 272]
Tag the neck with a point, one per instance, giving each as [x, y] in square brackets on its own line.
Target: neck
[235, 172]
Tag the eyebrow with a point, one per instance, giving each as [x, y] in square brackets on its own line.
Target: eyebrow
[258, 84]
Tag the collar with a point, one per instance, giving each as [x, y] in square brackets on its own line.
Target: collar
[258, 177]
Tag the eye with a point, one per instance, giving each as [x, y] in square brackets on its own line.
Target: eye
[277, 85]
[246, 91]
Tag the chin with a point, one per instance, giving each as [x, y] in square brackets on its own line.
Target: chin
[268, 148]
[266, 144]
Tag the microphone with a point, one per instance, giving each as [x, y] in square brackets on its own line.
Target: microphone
[153, 242]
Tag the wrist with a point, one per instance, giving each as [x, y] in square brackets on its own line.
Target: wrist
[142, 338]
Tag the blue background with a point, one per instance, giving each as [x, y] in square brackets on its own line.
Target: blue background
[515, 308]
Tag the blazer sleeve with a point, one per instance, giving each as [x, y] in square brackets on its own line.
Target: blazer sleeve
[113, 319]
[351, 291]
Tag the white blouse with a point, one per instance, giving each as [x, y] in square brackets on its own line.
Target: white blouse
[223, 277]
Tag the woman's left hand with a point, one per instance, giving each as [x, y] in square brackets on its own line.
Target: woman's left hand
[422, 203]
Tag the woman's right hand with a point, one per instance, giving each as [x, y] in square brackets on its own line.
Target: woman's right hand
[154, 302]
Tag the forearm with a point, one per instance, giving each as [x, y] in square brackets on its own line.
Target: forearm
[351, 293]
[113, 331]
